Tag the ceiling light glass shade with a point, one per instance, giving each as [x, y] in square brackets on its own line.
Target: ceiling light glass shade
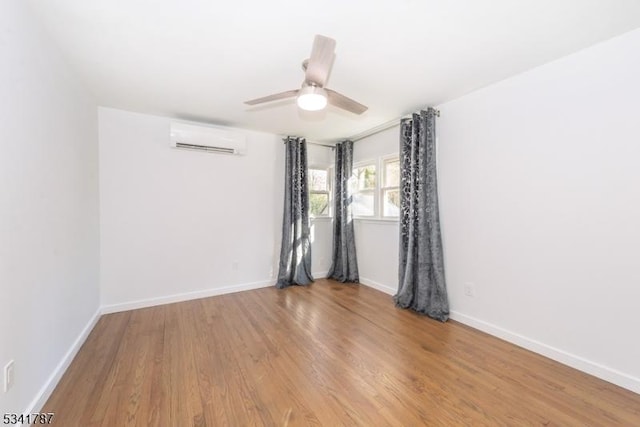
[312, 98]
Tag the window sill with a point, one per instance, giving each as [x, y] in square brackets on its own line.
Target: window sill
[377, 220]
[358, 219]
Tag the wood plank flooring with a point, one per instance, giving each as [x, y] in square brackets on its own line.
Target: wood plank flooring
[325, 355]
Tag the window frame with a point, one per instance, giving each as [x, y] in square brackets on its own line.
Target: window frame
[384, 160]
[328, 191]
[373, 191]
[380, 163]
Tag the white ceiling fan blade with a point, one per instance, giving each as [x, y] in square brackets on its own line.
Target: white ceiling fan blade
[321, 60]
[274, 97]
[341, 101]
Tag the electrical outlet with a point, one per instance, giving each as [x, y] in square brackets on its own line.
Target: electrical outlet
[8, 376]
[234, 265]
[470, 289]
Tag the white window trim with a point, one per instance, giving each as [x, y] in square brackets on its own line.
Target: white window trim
[374, 190]
[383, 161]
[378, 192]
[329, 191]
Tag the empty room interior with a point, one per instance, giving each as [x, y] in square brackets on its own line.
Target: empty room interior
[390, 213]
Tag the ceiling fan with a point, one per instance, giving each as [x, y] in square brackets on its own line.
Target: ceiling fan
[313, 96]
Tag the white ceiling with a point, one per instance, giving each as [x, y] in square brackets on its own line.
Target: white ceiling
[200, 59]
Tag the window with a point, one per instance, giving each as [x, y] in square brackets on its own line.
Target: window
[375, 188]
[390, 189]
[319, 192]
[364, 190]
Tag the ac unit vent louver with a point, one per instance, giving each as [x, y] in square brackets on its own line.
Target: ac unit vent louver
[206, 148]
[207, 138]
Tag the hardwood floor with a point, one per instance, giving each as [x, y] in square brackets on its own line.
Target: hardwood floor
[325, 355]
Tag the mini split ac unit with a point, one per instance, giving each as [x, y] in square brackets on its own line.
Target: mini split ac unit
[207, 138]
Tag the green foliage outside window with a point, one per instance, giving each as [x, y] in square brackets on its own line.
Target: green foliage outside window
[318, 192]
[318, 204]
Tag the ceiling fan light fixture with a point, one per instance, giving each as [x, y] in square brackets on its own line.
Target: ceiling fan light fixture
[312, 98]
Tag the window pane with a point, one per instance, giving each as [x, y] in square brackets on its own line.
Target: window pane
[319, 204]
[362, 204]
[365, 177]
[318, 180]
[391, 203]
[392, 173]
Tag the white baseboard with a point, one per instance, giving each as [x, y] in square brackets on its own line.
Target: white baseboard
[597, 370]
[320, 275]
[45, 392]
[608, 374]
[379, 286]
[186, 296]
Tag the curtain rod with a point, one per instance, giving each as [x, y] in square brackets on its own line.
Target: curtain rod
[284, 141]
[384, 126]
[321, 145]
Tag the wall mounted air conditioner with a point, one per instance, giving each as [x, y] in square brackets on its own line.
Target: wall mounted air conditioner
[205, 138]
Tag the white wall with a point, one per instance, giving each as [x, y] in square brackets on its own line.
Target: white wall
[48, 210]
[540, 202]
[175, 222]
[377, 250]
[377, 240]
[321, 241]
[539, 197]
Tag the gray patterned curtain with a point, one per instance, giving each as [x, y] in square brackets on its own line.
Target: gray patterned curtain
[422, 282]
[295, 252]
[344, 265]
